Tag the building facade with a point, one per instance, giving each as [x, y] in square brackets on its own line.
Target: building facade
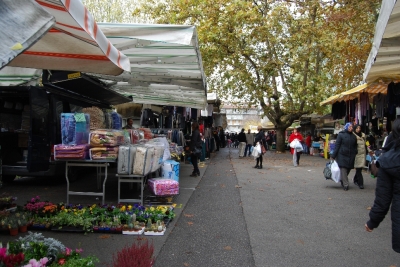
[238, 118]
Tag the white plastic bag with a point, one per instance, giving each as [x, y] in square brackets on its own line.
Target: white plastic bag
[255, 153]
[335, 172]
[258, 148]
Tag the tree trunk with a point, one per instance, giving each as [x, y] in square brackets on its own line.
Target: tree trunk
[280, 140]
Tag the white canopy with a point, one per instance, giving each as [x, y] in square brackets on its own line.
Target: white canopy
[384, 59]
[166, 65]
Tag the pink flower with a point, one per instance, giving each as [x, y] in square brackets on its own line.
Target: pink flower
[67, 251]
[78, 250]
[43, 261]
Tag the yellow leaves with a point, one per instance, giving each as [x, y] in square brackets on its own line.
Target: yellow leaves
[227, 248]
[188, 215]
[190, 223]
[104, 236]
[186, 264]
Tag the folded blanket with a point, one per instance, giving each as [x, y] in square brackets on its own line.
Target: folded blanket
[106, 138]
[98, 153]
[71, 152]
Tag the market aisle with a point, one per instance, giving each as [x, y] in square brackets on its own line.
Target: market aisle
[211, 230]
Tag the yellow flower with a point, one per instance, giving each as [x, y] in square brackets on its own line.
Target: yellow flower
[123, 208]
[129, 207]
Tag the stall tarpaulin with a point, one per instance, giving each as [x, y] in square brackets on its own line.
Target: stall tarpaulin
[19, 34]
[165, 61]
[74, 43]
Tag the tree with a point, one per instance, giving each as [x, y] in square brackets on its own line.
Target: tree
[113, 11]
[284, 55]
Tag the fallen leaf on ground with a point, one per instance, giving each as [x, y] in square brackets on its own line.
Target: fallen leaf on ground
[260, 189]
[188, 215]
[369, 208]
[222, 185]
[190, 223]
[186, 264]
[238, 186]
[329, 198]
[228, 248]
[104, 236]
[300, 241]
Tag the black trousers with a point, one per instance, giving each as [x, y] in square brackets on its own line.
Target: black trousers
[298, 157]
[259, 160]
[194, 161]
[358, 177]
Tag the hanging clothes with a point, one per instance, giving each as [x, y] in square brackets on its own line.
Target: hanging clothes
[380, 103]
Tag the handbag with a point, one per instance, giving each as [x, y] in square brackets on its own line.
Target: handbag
[374, 168]
[197, 152]
[327, 171]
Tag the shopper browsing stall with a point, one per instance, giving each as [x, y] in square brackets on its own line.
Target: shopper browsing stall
[296, 154]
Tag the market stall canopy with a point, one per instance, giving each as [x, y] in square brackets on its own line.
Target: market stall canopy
[10, 76]
[165, 64]
[74, 43]
[371, 88]
[384, 58]
[19, 34]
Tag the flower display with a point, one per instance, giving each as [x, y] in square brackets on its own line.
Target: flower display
[42, 208]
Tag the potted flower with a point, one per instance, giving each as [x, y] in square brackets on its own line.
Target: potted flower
[7, 201]
[13, 226]
[22, 219]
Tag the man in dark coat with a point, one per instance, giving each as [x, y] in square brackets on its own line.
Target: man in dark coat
[242, 142]
[387, 190]
[345, 153]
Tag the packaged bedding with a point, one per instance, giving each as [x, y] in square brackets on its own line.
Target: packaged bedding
[116, 120]
[158, 154]
[75, 128]
[143, 160]
[126, 158]
[78, 152]
[106, 138]
[103, 153]
[163, 186]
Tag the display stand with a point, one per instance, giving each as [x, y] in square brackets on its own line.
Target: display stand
[131, 179]
[89, 163]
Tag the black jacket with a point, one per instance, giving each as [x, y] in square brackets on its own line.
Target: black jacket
[345, 149]
[387, 193]
[260, 137]
[195, 140]
[242, 137]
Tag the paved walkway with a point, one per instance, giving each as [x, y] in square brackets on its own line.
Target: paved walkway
[277, 216]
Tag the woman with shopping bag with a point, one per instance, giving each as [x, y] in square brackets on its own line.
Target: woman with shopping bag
[296, 148]
[345, 153]
[260, 138]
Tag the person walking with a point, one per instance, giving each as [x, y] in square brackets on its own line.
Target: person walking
[242, 143]
[222, 137]
[308, 142]
[387, 192]
[249, 141]
[296, 155]
[216, 138]
[345, 153]
[260, 138]
[195, 142]
[359, 162]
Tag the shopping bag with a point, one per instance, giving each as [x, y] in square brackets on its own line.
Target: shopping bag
[335, 172]
[263, 150]
[255, 153]
[258, 148]
[327, 171]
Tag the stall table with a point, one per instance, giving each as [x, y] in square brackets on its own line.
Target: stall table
[99, 164]
[131, 178]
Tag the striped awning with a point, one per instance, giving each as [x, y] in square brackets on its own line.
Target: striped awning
[74, 43]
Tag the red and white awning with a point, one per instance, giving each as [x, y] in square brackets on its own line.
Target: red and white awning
[75, 43]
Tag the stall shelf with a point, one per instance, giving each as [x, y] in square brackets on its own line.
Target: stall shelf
[98, 164]
[134, 179]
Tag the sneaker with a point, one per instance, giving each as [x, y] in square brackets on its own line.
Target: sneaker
[361, 186]
[256, 166]
[198, 174]
[355, 182]
[193, 175]
[345, 188]
[259, 167]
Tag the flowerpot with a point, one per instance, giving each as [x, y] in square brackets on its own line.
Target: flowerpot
[14, 231]
[23, 229]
